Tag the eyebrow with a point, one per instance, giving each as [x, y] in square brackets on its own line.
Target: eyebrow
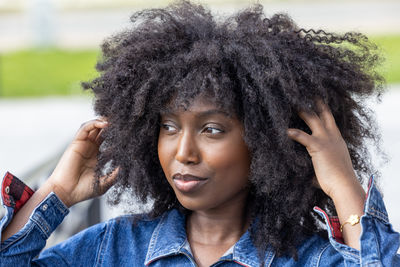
[214, 112]
[202, 114]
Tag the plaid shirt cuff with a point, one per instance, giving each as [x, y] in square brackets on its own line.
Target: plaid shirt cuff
[14, 192]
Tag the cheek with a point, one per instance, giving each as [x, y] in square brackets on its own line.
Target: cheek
[230, 160]
[165, 152]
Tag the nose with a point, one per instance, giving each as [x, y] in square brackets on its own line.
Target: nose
[187, 150]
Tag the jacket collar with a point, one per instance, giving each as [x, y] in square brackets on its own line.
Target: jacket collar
[169, 238]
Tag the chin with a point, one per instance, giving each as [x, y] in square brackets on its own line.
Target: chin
[193, 204]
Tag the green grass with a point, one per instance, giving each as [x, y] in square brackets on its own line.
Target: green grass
[45, 72]
[390, 46]
[54, 72]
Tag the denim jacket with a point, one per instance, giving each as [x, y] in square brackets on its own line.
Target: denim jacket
[163, 242]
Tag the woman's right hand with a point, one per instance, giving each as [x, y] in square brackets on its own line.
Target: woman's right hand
[73, 179]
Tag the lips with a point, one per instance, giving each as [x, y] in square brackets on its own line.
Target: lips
[188, 183]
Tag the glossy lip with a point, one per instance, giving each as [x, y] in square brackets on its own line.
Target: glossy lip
[188, 183]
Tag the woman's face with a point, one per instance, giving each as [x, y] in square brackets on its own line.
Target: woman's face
[204, 156]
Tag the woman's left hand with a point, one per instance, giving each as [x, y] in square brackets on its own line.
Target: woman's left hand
[333, 168]
[330, 156]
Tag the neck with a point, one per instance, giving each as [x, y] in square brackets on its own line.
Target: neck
[219, 226]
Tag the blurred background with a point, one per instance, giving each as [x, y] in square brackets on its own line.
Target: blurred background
[48, 47]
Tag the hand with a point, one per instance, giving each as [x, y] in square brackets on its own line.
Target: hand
[73, 178]
[330, 156]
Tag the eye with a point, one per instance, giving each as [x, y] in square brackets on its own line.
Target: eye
[212, 130]
[168, 128]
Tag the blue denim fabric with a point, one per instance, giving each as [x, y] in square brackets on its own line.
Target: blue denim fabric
[163, 242]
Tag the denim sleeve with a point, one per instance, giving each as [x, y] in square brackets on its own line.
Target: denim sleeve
[21, 248]
[378, 241]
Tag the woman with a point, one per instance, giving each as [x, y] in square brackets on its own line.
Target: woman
[233, 131]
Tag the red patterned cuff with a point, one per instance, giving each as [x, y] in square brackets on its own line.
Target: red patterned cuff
[336, 233]
[334, 226]
[14, 192]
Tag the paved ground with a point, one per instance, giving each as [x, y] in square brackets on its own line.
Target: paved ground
[32, 131]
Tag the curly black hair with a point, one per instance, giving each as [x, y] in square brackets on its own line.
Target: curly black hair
[264, 70]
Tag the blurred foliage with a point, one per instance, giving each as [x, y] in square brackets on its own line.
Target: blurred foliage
[34, 73]
[45, 72]
[390, 49]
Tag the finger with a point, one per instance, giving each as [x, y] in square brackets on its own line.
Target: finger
[93, 134]
[99, 138]
[299, 136]
[85, 129]
[325, 114]
[312, 120]
[102, 118]
[108, 180]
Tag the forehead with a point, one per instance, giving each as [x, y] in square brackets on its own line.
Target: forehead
[200, 104]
